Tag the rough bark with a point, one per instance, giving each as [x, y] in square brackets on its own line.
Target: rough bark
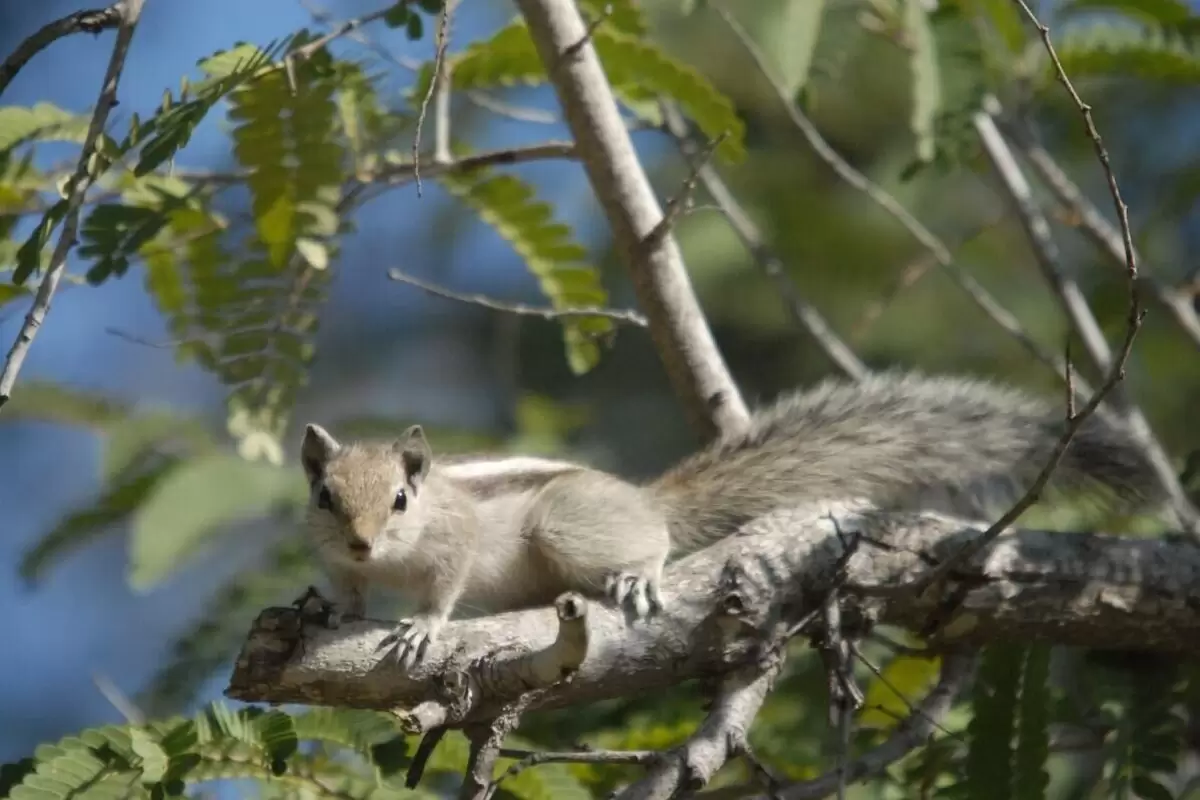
[1069, 588]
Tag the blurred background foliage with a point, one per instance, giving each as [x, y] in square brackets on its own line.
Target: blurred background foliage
[230, 283]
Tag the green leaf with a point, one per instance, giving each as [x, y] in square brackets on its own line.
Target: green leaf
[42, 122]
[926, 78]
[29, 256]
[153, 758]
[113, 233]
[1168, 13]
[165, 133]
[397, 16]
[621, 15]
[97, 765]
[509, 205]
[902, 683]
[789, 36]
[414, 28]
[284, 137]
[637, 69]
[195, 500]
[9, 293]
[1121, 50]
[989, 772]
[119, 500]
[215, 639]
[1030, 777]
[48, 402]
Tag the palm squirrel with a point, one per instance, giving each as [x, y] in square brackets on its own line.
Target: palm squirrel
[503, 533]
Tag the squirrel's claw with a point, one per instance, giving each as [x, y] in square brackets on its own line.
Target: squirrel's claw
[636, 594]
[410, 639]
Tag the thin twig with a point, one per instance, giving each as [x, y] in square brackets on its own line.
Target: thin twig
[521, 309]
[803, 313]
[402, 173]
[910, 734]
[437, 83]
[1079, 314]
[90, 21]
[118, 699]
[527, 759]
[130, 11]
[877, 194]
[909, 276]
[301, 54]
[676, 205]
[1096, 226]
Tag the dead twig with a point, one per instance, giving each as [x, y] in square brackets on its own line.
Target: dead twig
[130, 11]
[616, 315]
[803, 313]
[90, 21]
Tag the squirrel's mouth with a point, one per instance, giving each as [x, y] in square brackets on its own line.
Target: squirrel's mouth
[359, 551]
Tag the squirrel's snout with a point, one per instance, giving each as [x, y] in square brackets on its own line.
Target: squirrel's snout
[360, 549]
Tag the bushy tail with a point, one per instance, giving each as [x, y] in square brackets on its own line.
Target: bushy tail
[962, 446]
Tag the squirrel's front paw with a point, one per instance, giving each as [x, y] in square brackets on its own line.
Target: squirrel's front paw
[411, 638]
[636, 594]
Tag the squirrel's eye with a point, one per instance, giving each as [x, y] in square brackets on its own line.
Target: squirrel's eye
[401, 501]
[324, 500]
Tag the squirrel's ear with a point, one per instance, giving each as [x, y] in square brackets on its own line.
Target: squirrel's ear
[414, 449]
[316, 450]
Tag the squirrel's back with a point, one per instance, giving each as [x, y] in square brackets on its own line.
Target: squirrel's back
[962, 446]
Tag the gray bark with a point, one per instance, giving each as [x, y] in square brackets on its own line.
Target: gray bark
[1069, 588]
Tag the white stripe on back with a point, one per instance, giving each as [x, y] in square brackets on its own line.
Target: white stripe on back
[498, 468]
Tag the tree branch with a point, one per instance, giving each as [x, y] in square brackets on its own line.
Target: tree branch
[1097, 227]
[721, 736]
[1079, 589]
[129, 11]
[878, 195]
[685, 344]
[803, 313]
[614, 314]
[1080, 315]
[403, 173]
[910, 734]
[90, 21]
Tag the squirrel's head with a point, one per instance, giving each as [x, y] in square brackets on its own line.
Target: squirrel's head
[365, 493]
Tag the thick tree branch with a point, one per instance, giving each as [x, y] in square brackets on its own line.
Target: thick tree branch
[130, 11]
[681, 335]
[721, 736]
[90, 21]
[1080, 589]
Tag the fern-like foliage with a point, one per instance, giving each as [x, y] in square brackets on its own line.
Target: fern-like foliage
[638, 70]
[510, 206]
[989, 768]
[325, 753]
[1008, 735]
[1117, 49]
[1144, 753]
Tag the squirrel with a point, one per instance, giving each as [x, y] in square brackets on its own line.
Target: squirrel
[509, 532]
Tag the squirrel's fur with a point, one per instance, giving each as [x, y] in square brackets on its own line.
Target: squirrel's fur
[502, 533]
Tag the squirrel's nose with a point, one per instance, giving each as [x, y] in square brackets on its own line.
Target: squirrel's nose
[359, 548]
